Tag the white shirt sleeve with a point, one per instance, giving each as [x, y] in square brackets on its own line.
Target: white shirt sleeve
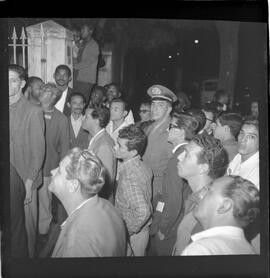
[196, 249]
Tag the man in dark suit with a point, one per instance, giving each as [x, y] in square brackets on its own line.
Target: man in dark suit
[27, 151]
[94, 228]
[62, 77]
[57, 146]
[101, 144]
[33, 89]
[170, 209]
[78, 136]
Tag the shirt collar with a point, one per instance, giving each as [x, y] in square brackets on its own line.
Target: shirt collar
[132, 160]
[124, 123]
[231, 231]
[95, 136]
[79, 119]
[76, 209]
[176, 147]
[251, 160]
[229, 141]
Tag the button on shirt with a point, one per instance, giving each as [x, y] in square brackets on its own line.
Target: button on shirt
[222, 240]
[61, 102]
[76, 124]
[248, 169]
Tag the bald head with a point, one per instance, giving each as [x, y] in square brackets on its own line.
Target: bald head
[229, 201]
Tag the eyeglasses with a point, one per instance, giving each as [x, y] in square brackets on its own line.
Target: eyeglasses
[144, 111]
[172, 126]
[210, 120]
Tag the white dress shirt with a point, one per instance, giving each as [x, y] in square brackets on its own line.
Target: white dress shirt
[222, 240]
[76, 124]
[114, 133]
[61, 102]
[249, 169]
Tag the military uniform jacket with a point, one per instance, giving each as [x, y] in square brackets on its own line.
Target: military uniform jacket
[157, 153]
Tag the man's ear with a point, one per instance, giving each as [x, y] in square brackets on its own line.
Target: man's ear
[125, 113]
[134, 153]
[204, 168]
[73, 185]
[225, 206]
[68, 105]
[227, 128]
[169, 109]
[23, 84]
[70, 78]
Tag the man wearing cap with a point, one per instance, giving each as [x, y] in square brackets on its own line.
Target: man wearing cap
[158, 150]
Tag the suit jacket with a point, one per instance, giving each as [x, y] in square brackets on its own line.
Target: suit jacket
[87, 67]
[57, 140]
[94, 230]
[175, 190]
[27, 141]
[82, 139]
[66, 110]
[102, 146]
[157, 153]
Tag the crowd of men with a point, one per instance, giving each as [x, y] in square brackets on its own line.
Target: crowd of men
[88, 181]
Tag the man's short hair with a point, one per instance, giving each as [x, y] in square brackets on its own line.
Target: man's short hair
[212, 154]
[87, 169]
[137, 139]
[188, 123]
[50, 86]
[182, 103]
[19, 70]
[32, 79]
[251, 120]
[220, 93]
[76, 94]
[113, 84]
[146, 103]
[118, 99]
[101, 113]
[246, 200]
[98, 88]
[199, 116]
[213, 107]
[63, 67]
[232, 120]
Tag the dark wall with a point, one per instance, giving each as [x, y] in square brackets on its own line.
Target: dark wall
[252, 68]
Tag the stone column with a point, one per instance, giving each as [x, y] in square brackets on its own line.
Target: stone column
[50, 45]
[105, 73]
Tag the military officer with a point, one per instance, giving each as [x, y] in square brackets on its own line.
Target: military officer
[158, 150]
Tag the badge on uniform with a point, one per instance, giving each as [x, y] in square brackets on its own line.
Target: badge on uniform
[160, 206]
[156, 91]
[48, 117]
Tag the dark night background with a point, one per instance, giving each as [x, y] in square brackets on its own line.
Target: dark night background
[147, 62]
[200, 61]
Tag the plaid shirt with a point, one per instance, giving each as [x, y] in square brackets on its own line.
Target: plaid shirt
[133, 194]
